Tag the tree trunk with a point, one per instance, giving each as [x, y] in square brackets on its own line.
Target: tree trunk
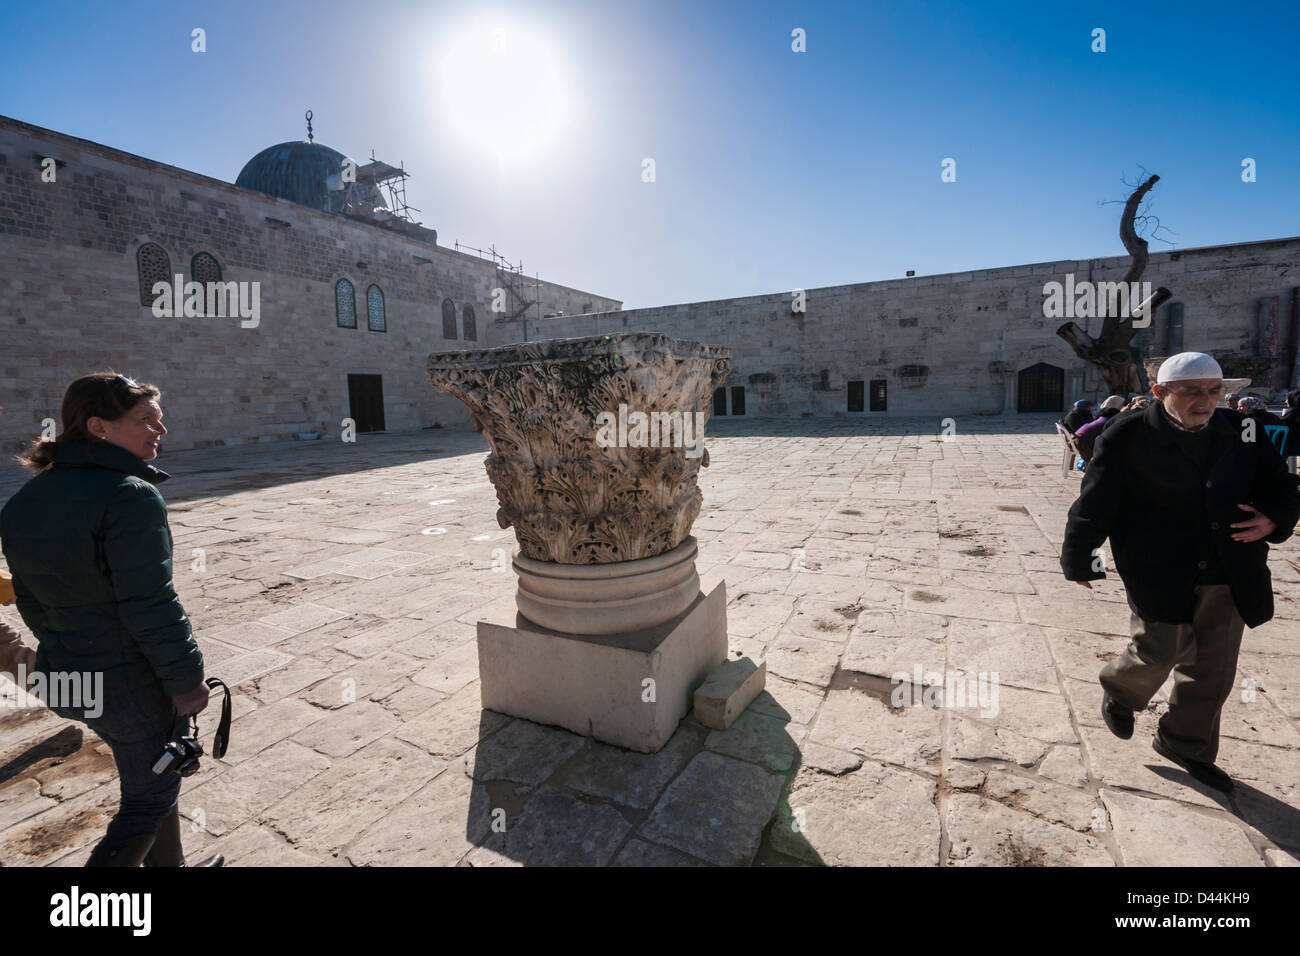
[1111, 352]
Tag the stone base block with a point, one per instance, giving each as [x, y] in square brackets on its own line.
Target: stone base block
[728, 691]
[629, 689]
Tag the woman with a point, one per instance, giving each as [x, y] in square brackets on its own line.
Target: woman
[1086, 435]
[90, 551]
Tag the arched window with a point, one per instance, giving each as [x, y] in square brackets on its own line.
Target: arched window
[153, 265]
[345, 304]
[375, 309]
[471, 328]
[448, 319]
[204, 267]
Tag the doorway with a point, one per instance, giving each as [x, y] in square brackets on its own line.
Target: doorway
[1041, 388]
[366, 402]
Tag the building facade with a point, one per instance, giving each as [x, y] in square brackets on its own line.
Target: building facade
[349, 308]
[977, 342]
[351, 299]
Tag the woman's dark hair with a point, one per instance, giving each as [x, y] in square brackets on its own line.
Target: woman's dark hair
[1293, 398]
[105, 395]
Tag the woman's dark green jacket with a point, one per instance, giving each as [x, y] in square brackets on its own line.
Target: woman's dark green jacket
[89, 548]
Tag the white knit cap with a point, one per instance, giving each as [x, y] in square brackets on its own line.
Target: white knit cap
[1185, 365]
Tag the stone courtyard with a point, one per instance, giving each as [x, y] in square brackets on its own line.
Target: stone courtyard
[335, 587]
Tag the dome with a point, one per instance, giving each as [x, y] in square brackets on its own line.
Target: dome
[299, 172]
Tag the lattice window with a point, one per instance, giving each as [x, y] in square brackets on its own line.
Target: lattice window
[204, 267]
[471, 326]
[375, 309]
[448, 319]
[345, 304]
[153, 265]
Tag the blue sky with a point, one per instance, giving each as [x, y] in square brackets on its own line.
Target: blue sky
[773, 169]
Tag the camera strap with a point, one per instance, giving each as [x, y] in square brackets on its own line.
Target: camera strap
[222, 736]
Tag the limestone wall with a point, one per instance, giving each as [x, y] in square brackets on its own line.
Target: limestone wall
[957, 325]
[70, 303]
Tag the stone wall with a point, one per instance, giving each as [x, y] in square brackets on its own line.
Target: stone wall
[959, 324]
[70, 301]
[69, 304]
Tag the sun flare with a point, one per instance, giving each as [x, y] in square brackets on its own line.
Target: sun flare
[504, 91]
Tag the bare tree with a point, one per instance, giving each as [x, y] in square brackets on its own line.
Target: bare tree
[1112, 352]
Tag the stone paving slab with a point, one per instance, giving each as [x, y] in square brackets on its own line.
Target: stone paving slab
[339, 588]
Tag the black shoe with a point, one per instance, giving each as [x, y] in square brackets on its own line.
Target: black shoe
[1207, 773]
[1118, 719]
[217, 860]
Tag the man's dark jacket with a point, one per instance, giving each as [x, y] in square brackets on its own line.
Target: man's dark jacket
[1162, 513]
[90, 552]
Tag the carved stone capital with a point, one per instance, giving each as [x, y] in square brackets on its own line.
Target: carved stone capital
[572, 496]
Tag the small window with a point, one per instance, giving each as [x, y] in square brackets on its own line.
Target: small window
[856, 396]
[345, 304]
[720, 401]
[738, 400]
[878, 402]
[375, 309]
[448, 319]
[470, 324]
[204, 267]
[153, 265]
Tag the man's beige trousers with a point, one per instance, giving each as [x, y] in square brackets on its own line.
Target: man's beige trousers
[1203, 657]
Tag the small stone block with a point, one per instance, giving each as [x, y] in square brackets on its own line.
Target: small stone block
[727, 691]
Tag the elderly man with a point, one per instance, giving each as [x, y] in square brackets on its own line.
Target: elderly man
[1188, 496]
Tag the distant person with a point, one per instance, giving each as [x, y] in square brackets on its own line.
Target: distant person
[1233, 399]
[1086, 435]
[1252, 406]
[1079, 415]
[1137, 403]
[1188, 506]
[1291, 419]
[16, 658]
[90, 551]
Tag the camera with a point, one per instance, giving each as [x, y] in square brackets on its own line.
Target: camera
[182, 753]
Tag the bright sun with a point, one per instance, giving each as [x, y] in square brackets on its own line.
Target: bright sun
[503, 91]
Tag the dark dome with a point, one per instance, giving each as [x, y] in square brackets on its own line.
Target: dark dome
[298, 172]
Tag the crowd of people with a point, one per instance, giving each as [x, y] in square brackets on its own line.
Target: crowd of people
[1282, 430]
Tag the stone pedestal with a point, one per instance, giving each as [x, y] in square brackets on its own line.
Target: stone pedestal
[608, 598]
[596, 447]
[630, 689]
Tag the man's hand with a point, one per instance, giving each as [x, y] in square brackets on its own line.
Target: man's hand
[192, 701]
[1260, 526]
